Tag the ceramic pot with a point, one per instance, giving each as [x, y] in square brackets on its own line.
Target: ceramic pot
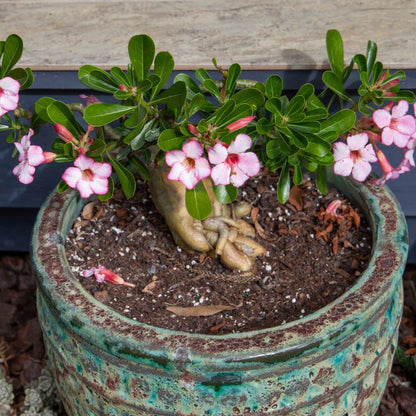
[335, 361]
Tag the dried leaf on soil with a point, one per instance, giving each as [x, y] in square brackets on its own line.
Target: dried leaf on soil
[201, 310]
[295, 197]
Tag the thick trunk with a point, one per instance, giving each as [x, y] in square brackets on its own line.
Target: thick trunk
[222, 234]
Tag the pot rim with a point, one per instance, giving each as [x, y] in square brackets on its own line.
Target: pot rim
[71, 302]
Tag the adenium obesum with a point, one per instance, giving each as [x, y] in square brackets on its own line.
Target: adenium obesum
[9, 95]
[102, 274]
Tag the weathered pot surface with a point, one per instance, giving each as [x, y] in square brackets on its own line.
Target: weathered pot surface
[335, 361]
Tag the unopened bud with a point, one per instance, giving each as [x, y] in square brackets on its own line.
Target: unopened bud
[49, 157]
[239, 124]
[193, 130]
[63, 133]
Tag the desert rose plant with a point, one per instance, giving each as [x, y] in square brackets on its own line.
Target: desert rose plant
[197, 140]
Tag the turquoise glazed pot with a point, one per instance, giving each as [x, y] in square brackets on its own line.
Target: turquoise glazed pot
[334, 362]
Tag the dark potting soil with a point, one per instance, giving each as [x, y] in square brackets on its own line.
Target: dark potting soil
[312, 258]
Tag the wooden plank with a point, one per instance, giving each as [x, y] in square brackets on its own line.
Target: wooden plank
[261, 34]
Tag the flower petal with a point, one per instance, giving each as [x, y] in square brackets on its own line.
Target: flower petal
[400, 109]
[99, 185]
[84, 188]
[35, 155]
[240, 144]
[361, 170]
[202, 168]
[249, 163]
[189, 179]
[343, 167]
[341, 151]
[101, 169]
[387, 136]
[368, 153]
[174, 156]
[10, 84]
[400, 139]
[176, 171]
[83, 162]
[382, 118]
[220, 174]
[357, 141]
[24, 173]
[238, 177]
[71, 176]
[193, 149]
[406, 125]
[217, 154]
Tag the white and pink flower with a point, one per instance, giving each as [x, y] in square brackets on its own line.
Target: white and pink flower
[233, 165]
[398, 126]
[9, 95]
[354, 157]
[188, 165]
[30, 156]
[88, 176]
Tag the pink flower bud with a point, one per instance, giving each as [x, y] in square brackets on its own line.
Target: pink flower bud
[193, 130]
[63, 133]
[114, 278]
[239, 124]
[122, 87]
[49, 157]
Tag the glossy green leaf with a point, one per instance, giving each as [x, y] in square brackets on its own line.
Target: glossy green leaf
[316, 114]
[11, 137]
[62, 187]
[197, 202]
[173, 97]
[264, 126]
[41, 106]
[122, 95]
[233, 73]
[296, 105]
[225, 193]
[377, 69]
[221, 116]
[191, 85]
[298, 139]
[212, 88]
[250, 96]
[97, 79]
[274, 86]
[274, 105]
[335, 84]
[283, 186]
[371, 55]
[140, 135]
[97, 148]
[139, 167]
[335, 51]
[306, 91]
[109, 193]
[127, 180]
[99, 114]
[321, 180]
[317, 146]
[121, 76]
[297, 174]
[339, 122]
[141, 52]
[169, 140]
[361, 62]
[4, 127]
[197, 102]
[201, 75]
[24, 76]
[60, 113]
[164, 64]
[12, 51]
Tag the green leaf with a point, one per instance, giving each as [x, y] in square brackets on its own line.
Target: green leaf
[297, 174]
[212, 88]
[317, 146]
[110, 191]
[4, 127]
[169, 140]
[296, 105]
[264, 126]
[60, 113]
[197, 202]
[97, 79]
[283, 186]
[139, 167]
[335, 84]
[173, 97]
[201, 75]
[306, 91]
[371, 55]
[141, 52]
[225, 194]
[164, 64]
[12, 51]
[97, 148]
[127, 180]
[298, 139]
[24, 76]
[321, 180]
[340, 122]
[361, 62]
[140, 137]
[190, 84]
[99, 114]
[251, 96]
[62, 187]
[120, 75]
[231, 82]
[335, 50]
[197, 103]
[221, 116]
[274, 105]
[316, 114]
[41, 107]
[274, 86]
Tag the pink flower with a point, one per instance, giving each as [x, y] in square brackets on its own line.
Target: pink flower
[89, 99]
[9, 95]
[88, 176]
[102, 274]
[64, 133]
[188, 165]
[354, 157]
[388, 171]
[29, 157]
[233, 164]
[398, 126]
